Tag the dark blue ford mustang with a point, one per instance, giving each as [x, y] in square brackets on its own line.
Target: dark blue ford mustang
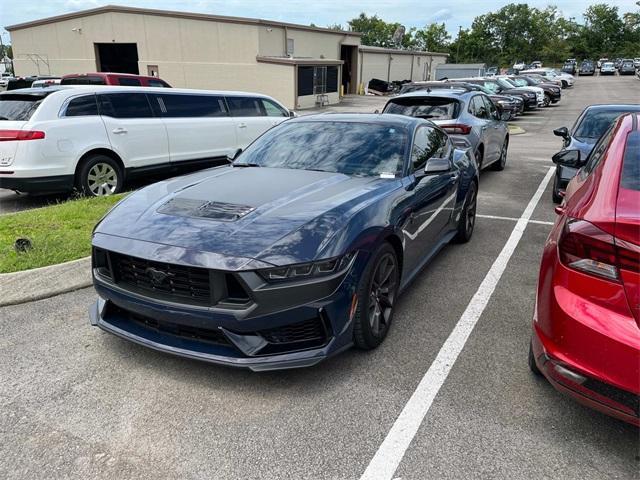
[295, 252]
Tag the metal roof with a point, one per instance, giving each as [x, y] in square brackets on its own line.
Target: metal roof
[367, 48]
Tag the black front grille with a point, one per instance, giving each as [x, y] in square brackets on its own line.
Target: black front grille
[163, 280]
[308, 331]
[184, 331]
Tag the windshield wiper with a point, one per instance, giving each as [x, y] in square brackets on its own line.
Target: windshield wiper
[245, 164]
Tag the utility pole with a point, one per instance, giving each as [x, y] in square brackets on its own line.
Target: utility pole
[458, 42]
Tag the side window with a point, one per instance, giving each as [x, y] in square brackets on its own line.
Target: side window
[491, 108]
[245, 107]
[129, 82]
[598, 152]
[82, 106]
[124, 105]
[630, 177]
[427, 143]
[479, 109]
[157, 83]
[273, 110]
[179, 105]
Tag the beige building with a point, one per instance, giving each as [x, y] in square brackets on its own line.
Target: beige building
[299, 65]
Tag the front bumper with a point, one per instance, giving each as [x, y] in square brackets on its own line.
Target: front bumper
[279, 328]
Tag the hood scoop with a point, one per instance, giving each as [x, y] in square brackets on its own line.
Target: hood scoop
[223, 212]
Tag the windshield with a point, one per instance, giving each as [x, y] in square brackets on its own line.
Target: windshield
[19, 107]
[359, 149]
[520, 82]
[595, 123]
[433, 108]
[504, 83]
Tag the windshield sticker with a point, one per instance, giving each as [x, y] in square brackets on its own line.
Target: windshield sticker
[387, 175]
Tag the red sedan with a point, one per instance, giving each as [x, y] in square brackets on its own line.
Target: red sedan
[586, 324]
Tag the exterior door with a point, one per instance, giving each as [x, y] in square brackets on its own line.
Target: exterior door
[433, 196]
[497, 128]
[483, 121]
[198, 125]
[135, 134]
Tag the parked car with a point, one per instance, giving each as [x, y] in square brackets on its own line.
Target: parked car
[470, 118]
[586, 324]
[590, 125]
[627, 68]
[96, 138]
[608, 68]
[636, 63]
[519, 66]
[505, 82]
[601, 61]
[508, 106]
[498, 88]
[26, 82]
[566, 79]
[491, 71]
[536, 64]
[587, 67]
[552, 92]
[45, 83]
[108, 78]
[569, 68]
[330, 216]
[617, 62]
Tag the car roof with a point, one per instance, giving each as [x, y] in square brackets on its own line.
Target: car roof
[372, 118]
[79, 89]
[108, 74]
[36, 90]
[622, 107]
[439, 92]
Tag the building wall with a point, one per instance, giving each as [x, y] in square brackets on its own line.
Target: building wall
[376, 65]
[189, 53]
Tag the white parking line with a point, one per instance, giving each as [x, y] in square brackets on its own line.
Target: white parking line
[388, 457]
[513, 219]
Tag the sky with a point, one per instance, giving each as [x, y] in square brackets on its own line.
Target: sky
[411, 13]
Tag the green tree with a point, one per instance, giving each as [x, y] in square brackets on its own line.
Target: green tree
[603, 29]
[433, 38]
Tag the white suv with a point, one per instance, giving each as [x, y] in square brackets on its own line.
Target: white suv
[94, 138]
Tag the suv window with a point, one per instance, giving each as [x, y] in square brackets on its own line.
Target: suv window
[433, 108]
[124, 105]
[179, 105]
[19, 107]
[82, 106]
[129, 82]
[245, 106]
[83, 81]
[631, 163]
[157, 83]
[491, 107]
[477, 108]
[428, 143]
[272, 109]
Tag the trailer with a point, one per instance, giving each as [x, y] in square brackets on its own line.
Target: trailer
[460, 70]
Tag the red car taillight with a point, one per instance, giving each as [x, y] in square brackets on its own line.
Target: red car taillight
[457, 128]
[12, 135]
[584, 247]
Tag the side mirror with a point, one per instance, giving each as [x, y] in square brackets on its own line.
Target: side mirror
[561, 132]
[567, 158]
[232, 156]
[437, 165]
[292, 114]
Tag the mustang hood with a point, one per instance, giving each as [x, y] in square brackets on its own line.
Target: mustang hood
[270, 214]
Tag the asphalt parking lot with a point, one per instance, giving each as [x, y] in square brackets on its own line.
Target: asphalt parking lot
[79, 403]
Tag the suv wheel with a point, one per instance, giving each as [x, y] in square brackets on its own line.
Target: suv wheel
[502, 161]
[467, 220]
[99, 176]
[377, 293]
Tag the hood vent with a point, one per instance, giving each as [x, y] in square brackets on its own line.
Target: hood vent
[223, 212]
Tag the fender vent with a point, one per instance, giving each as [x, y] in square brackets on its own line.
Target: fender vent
[224, 212]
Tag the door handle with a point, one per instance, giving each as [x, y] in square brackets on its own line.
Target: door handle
[119, 130]
[242, 125]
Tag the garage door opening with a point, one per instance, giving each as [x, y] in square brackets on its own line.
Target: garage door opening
[349, 55]
[117, 57]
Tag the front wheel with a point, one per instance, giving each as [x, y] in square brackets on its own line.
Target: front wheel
[555, 192]
[547, 100]
[100, 176]
[467, 221]
[377, 293]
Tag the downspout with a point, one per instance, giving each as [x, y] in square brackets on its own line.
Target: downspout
[413, 59]
[389, 70]
[286, 37]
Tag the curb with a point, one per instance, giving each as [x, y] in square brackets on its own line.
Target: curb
[515, 130]
[44, 282]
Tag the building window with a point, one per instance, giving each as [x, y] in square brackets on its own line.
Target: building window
[317, 80]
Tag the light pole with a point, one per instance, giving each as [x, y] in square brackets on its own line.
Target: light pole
[458, 42]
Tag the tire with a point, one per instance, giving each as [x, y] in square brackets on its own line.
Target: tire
[532, 362]
[555, 191]
[502, 162]
[479, 157]
[99, 175]
[377, 293]
[547, 100]
[467, 221]
[565, 84]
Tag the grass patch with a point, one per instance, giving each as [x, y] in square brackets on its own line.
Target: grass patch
[58, 233]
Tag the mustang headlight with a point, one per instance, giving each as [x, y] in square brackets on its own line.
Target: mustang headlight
[308, 270]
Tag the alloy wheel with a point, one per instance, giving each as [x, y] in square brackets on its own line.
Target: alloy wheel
[470, 213]
[102, 179]
[382, 294]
